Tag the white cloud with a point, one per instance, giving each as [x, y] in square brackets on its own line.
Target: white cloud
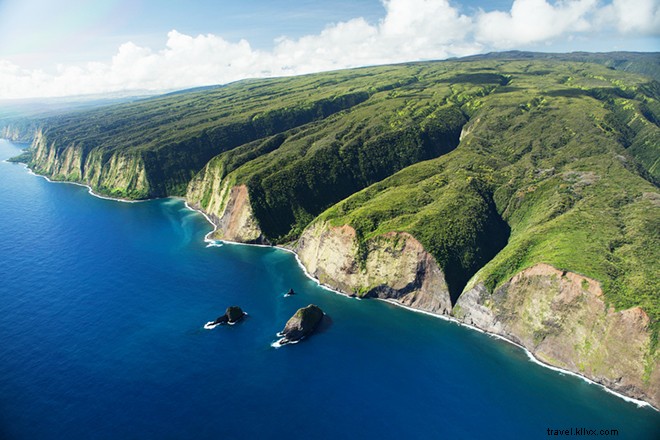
[632, 16]
[411, 30]
[532, 21]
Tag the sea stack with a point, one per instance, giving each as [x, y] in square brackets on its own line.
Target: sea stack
[232, 315]
[301, 324]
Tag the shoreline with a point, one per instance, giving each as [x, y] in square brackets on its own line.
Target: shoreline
[530, 355]
[448, 318]
[89, 188]
[207, 239]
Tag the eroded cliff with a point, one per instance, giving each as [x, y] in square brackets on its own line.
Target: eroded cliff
[118, 174]
[18, 132]
[391, 266]
[563, 320]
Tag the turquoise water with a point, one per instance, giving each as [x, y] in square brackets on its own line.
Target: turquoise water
[102, 307]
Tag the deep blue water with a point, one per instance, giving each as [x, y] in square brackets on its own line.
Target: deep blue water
[102, 307]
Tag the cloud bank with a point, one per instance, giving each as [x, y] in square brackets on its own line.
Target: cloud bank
[411, 30]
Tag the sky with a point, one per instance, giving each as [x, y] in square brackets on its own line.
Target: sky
[53, 48]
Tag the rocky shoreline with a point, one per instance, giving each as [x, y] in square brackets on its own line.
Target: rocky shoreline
[444, 316]
[448, 317]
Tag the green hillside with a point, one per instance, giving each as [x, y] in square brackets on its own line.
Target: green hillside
[559, 166]
[177, 134]
[552, 163]
[494, 163]
[633, 62]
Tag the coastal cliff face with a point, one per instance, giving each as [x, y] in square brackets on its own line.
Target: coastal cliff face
[119, 175]
[227, 206]
[237, 221]
[562, 318]
[391, 266]
[18, 132]
[208, 192]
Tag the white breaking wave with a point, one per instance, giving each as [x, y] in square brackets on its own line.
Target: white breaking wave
[207, 238]
[278, 343]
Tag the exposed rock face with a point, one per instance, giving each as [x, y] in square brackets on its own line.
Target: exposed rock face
[228, 206]
[232, 315]
[301, 324]
[467, 129]
[562, 319]
[119, 175]
[394, 266]
[16, 133]
[208, 192]
[237, 222]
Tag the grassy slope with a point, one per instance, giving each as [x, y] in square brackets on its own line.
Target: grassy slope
[635, 62]
[177, 134]
[294, 176]
[548, 152]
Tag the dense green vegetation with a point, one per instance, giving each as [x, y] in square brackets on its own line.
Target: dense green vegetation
[294, 176]
[634, 62]
[19, 119]
[175, 135]
[558, 161]
[568, 163]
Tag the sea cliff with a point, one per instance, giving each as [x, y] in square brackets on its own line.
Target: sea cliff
[562, 318]
[18, 132]
[229, 209]
[391, 266]
[117, 174]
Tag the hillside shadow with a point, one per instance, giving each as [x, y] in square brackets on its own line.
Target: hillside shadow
[490, 240]
[478, 78]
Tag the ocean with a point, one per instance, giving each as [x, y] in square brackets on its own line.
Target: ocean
[102, 312]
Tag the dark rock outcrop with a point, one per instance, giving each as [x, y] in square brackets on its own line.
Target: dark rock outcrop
[232, 315]
[301, 324]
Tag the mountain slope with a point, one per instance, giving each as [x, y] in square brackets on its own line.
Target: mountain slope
[294, 176]
[173, 136]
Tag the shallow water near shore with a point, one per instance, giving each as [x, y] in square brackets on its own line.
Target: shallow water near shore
[102, 313]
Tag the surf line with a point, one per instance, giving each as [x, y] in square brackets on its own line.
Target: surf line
[211, 241]
[207, 237]
[530, 355]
